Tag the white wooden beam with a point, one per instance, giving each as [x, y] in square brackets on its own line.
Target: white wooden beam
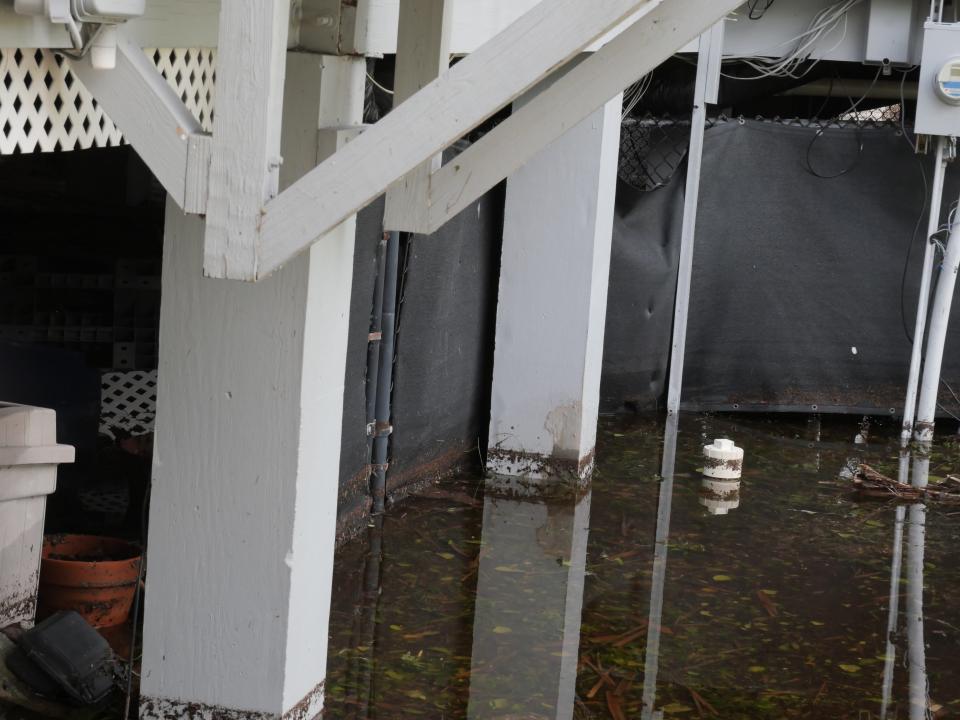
[152, 117]
[539, 42]
[245, 155]
[626, 58]
[423, 53]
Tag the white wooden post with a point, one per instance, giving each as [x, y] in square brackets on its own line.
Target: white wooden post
[247, 456]
[526, 628]
[557, 232]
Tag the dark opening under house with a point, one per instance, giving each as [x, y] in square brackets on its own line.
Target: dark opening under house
[455, 359]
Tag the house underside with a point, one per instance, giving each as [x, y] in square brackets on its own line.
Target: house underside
[324, 252]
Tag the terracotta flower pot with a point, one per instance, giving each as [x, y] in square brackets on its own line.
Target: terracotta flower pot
[95, 576]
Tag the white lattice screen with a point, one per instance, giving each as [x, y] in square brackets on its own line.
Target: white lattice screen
[191, 72]
[128, 402]
[44, 108]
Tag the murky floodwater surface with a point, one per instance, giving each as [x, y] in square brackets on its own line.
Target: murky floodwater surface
[652, 596]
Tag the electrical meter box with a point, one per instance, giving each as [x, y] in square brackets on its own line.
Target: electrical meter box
[938, 94]
[107, 10]
[92, 11]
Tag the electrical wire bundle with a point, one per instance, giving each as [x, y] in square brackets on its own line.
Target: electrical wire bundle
[770, 64]
[634, 94]
[756, 9]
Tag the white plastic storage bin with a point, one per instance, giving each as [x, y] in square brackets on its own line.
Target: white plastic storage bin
[29, 456]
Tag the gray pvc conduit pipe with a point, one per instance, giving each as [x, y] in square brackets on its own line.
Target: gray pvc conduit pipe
[382, 427]
[939, 320]
[923, 301]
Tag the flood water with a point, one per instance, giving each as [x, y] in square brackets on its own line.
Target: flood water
[637, 600]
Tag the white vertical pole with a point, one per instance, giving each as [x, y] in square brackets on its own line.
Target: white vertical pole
[923, 300]
[707, 74]
[939, 321]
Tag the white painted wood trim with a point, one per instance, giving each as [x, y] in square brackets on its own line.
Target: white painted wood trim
[151, 116]
[198, 174]
[245, 156]
[539, 42]
[423, 53]
[49, 455]
[629, 56]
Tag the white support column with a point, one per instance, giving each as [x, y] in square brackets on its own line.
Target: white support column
[557, 233]
[246, 464]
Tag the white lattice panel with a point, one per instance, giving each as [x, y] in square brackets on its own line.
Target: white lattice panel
[192, 73]
[44, 108]
[128, 402]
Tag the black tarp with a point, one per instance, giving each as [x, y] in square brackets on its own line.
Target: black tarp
[797, 279]
[354, 500]
[444, 363]
[791, 273]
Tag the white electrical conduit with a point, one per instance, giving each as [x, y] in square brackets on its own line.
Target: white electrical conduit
[923, 302]
[939, 320]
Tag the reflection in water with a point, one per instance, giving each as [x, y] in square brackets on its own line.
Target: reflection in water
[651, 664]
[526, 627]
[916, 538]
[916, 649]
[481, 606]
[893, 605]
[719, 496]
[360, 677]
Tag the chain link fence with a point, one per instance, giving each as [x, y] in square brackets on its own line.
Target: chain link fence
[653, 147]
